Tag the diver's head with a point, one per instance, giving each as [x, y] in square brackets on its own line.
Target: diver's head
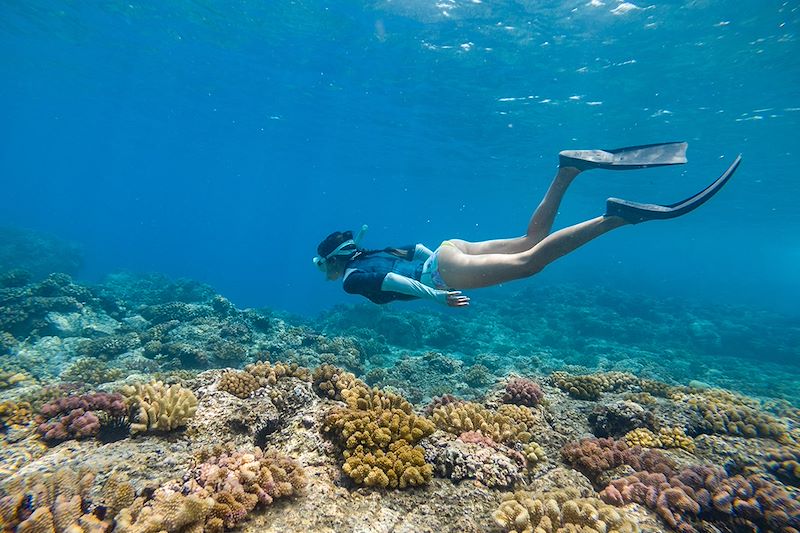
[336, 250]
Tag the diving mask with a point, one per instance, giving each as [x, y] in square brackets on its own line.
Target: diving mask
[348, 247]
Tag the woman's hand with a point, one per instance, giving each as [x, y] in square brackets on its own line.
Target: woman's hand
[456, 299]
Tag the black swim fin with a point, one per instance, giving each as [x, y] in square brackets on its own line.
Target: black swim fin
[628, 158]
[634, 212]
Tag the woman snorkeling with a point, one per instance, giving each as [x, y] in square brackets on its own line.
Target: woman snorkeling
[413, 272]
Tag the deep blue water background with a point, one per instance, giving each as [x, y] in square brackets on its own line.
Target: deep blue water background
[222, 140]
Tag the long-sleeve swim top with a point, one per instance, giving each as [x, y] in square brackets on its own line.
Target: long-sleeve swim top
[391, 274]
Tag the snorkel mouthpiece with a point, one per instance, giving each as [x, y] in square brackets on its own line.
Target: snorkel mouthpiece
[348, 247]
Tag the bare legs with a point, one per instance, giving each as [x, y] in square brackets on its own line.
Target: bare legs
[538, 228]
[469, 265]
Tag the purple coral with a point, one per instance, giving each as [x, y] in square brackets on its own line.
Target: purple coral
[75, 417]
[522, 391]
[592, 457]
[709, 493]
[439, 401]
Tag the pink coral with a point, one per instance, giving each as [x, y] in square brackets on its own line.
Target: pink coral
[521, 391]
[76, 416]
[238, 481]
[594, 456]
[709, 493]
[476, 437]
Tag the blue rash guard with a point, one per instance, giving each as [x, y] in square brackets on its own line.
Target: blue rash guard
[392, 274]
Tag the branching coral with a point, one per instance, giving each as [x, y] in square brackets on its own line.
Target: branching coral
[674, 437]
[243, 383]
[399, 466]
[238, 481]
[91, 370]
[10, 379]
[217, 493]
[534, 454]
[440, 401]
[591, 386]
[722, 412]
[656, 388]
[707, 493]
[77, 416]
[240, 384]
[166, 510]
[59, 502]
[510, 424]
[329, 381]
[268, 374]
[157, 407]
[592, 457]
[784, 463]
[521, 391]
[378, 432]
[560, 511]
[14, 414]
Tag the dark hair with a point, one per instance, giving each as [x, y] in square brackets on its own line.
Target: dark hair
[332, 241]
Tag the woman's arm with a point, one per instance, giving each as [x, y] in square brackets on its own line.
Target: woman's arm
[397, 283]
[421, 252]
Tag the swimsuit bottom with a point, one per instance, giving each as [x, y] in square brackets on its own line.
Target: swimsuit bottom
[430, 270]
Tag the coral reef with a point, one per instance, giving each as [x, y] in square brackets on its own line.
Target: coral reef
[240, 384]
[10, 379]
[352, 437]
[26, 309]
[480, 459]
[106, 348]
[618, 418]
[721, 412]
[674, 437]
[26, 254]
[266, 373]
[91, 370]
[378, 432]
[329, 381]
[566, 510]
[157, 407]
[708, 493]
[591, 386]
[509, 424]
[784, 463]
[61, 502]
[76, 417]
[521, 391]
[592, 457]
[14, 414]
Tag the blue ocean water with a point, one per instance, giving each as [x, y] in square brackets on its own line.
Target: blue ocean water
[220, 141]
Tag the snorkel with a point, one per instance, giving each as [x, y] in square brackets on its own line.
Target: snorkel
[347, 248]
